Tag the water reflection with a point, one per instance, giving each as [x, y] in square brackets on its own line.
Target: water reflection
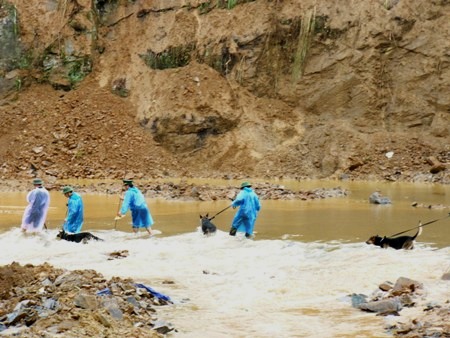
[350, 219]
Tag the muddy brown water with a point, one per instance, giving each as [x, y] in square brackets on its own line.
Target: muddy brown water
[269, 287]
[349, 219]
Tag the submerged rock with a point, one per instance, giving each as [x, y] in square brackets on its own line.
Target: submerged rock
[377, 198]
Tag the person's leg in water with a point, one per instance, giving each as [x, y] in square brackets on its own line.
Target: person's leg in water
[249, 225]
[149, 230]
[139, 218]
[237, 221]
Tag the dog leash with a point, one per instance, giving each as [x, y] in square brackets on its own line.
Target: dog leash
[422, 225]
[219, 212]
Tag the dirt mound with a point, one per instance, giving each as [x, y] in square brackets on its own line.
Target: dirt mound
[85, 133]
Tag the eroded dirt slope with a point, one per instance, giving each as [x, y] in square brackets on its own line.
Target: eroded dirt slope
[204, 88]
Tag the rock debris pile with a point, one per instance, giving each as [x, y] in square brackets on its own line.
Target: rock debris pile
[390, 299]
[44, 301]
[185, 191]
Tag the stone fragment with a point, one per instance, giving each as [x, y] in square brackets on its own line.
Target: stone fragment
[386, 286]
[85, 301]
[382, 306]
[405, 285]
[113, 308]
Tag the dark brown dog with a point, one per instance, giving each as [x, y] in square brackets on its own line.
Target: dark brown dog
[78, 238]
[401, 242]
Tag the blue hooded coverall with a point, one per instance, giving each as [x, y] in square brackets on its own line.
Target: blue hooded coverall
[75, 212]
[140, 214]
[249, 206]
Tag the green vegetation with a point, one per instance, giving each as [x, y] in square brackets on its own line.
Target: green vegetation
[307, 28]
[78, 69]
[54, 63]
[18, 84]
[205, 7]
[173, 57]
[25, 60]
[231, 4]
[16, 25]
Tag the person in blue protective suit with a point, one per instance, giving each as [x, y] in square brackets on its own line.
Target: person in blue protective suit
[75, 211]
[249, 206]
[35, 213]
[134, 200]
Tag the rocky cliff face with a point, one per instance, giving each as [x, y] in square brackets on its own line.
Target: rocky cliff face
[335, 89]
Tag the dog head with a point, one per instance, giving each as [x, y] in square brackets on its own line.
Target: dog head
[204, 220]
[375, 240]
[61, 234]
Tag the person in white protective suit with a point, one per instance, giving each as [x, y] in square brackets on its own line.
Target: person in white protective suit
[35, 214]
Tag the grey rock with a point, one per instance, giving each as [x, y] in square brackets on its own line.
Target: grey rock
[113, 308]
[132, 301]
[50, 304]
[376, 198]
[382, 306]
[358, 299]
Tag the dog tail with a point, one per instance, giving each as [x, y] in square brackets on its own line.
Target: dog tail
[418, 231]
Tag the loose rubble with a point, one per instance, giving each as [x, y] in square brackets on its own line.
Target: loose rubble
[185, 191]
[390, 299]
[42, 301]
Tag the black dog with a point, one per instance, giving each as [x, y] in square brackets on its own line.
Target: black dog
[208, 227]
[401, 242]
[78, 238]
